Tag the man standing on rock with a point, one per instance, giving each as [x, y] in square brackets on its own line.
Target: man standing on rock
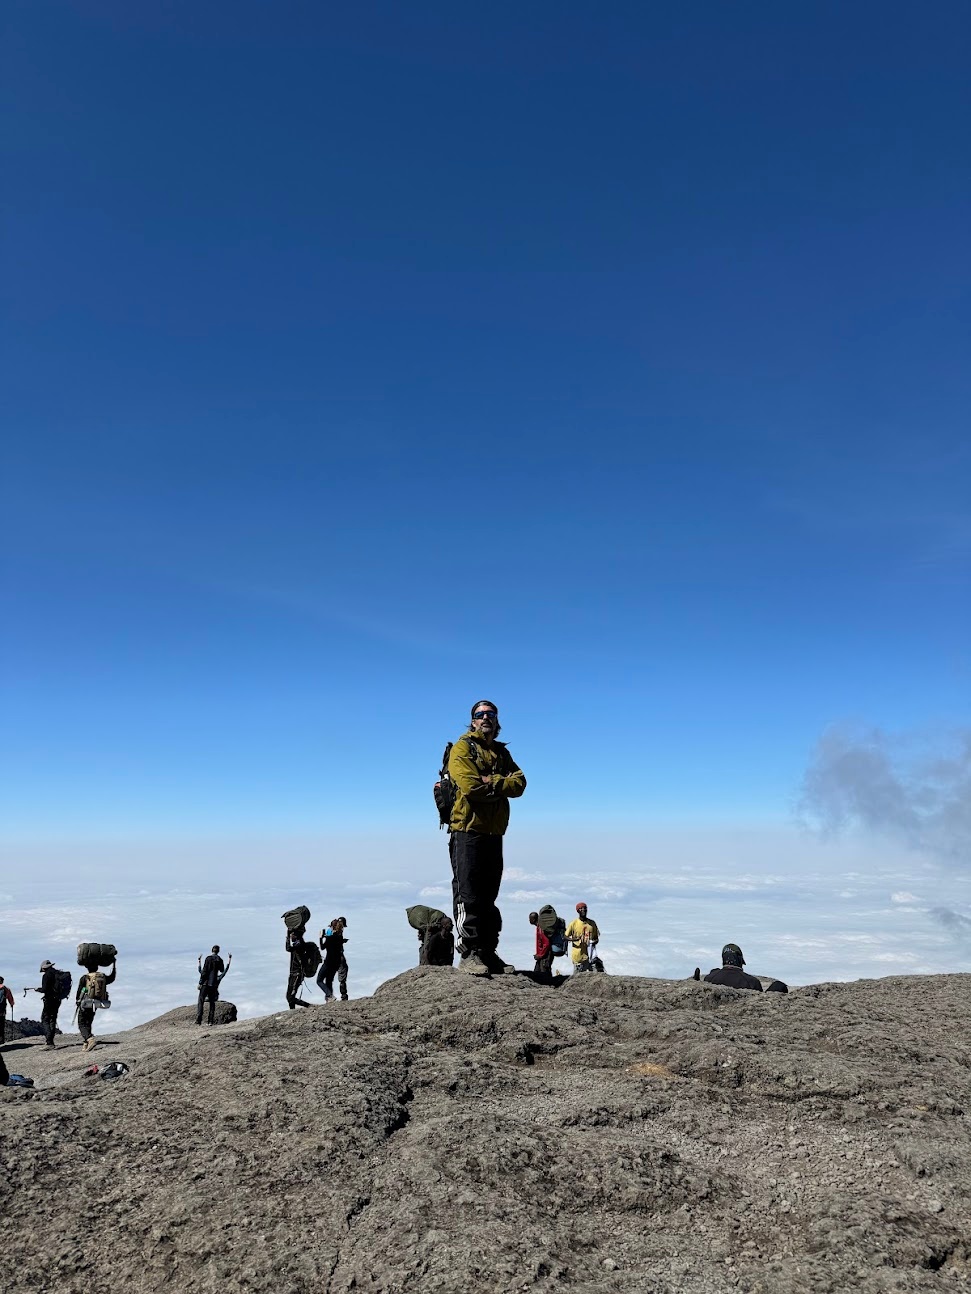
[332, 941]
[211, 975]
[583, 934]
[50, 991]
[486, 778]
[92, 995]
[295, 942]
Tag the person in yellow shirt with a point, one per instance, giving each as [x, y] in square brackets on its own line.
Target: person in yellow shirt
[582, 933]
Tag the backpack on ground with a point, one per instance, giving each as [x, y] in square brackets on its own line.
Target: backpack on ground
[18, 1080]
[117, 1069]
[63, 981]
[310, 958]
[95, 992]
[297, 917]
[554, 928]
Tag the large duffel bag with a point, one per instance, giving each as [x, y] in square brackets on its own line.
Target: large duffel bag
[296, 917]
[103, 954]
[420, 917]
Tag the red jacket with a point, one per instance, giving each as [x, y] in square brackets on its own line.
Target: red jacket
[542, 943]
[8, 995]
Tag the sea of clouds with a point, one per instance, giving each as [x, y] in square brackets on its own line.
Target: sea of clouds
[804, 908]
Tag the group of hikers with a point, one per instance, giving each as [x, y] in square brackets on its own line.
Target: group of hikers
[478, 778]
[325, 958]
[55, 987]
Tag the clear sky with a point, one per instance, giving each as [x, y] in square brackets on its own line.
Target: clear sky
[361, 360]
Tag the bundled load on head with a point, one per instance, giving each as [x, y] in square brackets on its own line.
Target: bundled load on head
[297, 918]
[554, 928]
[421, 917]
[97, 954]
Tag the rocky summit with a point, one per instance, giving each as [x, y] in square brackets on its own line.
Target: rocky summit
[451, 1134]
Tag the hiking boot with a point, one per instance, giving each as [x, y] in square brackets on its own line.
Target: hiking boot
[496, 965]
[473, 964]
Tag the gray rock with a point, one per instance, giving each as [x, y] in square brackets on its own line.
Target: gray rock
[452, 1134]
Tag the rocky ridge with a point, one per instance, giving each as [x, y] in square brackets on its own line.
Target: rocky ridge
[449, 1134]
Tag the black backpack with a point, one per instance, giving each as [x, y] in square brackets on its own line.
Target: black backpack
[445, 791]
[63, 980]
[310, 958]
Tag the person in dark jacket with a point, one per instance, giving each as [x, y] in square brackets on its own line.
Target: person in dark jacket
[50, 991]
[332, 941]
[88, 998]
[731, 972]
[486, 778]
[211, 975]
[6, 999]
[294, 946]
[438, 943]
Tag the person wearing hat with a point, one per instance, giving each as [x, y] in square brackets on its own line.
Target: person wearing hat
[486, 778]
[332, 941]
[731, 972]
[583, 935]
[50, 990]
[212, 972]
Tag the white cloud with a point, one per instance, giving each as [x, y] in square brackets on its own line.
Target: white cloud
[904, 896]
[665, 901]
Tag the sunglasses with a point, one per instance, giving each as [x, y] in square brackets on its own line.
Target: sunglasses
[485, 714]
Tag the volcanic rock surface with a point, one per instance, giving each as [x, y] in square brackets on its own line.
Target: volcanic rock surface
[450, 1134]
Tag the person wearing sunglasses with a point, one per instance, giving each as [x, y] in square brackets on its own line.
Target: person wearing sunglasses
[486, 778]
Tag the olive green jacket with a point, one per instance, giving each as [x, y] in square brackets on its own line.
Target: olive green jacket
[479, 807]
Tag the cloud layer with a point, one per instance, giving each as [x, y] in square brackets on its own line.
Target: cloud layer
[666, 901]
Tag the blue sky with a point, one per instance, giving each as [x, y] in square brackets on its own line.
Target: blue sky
[363, 360]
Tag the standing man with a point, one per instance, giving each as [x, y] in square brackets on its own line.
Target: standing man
[50, 990]
[91, 996]
[486, 778]
[583, 933]
[544, 952]
[332, 943]
[211, 975]
[6, 999]
[295, 945]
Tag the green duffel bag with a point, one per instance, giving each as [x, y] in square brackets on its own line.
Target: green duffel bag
[103, 954]
[296, 917]
[420, 917]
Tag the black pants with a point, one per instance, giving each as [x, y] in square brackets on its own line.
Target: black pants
[294, 983]
[85, 1021]
[3, 1023]
[544, 967]
[325, 978]
[48, 1018]
[476, 875]
[208, 993]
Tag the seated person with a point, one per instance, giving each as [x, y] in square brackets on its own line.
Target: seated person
[731, 972]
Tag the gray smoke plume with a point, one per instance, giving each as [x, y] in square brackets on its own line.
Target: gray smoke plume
[915, 789]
